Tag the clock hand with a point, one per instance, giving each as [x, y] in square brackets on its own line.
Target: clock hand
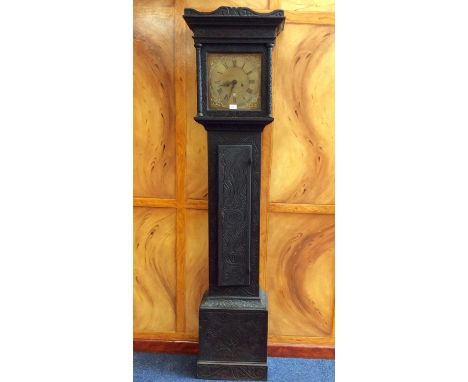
[234, 82]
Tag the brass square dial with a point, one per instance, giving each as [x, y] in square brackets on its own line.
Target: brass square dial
[234, 81]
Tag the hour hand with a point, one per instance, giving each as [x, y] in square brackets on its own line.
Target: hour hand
[226, 84]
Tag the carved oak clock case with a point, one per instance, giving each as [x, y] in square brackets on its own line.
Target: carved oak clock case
[234, 97]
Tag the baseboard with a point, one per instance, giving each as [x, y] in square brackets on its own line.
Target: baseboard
[302, 351]
[165, 346]
[274, 350]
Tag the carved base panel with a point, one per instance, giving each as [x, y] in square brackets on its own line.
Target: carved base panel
[246, 371]
[233, 338]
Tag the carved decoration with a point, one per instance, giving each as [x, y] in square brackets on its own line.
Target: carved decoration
[232, 11]
[234, 166]
[233, 336]
[224, 303]
[216, 139]
[222, 371]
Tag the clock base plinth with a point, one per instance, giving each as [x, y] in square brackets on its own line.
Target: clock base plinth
[243, 371]
[233, 338]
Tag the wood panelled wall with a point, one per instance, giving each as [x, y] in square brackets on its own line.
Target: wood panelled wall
[170, 175]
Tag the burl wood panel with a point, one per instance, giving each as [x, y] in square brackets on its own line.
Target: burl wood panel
[151, 4]
[211, 5]
[196, 266]
[154, 102]
[154, 267]
[307, 5]
[300, 274]
[303, 164]
[196, 182]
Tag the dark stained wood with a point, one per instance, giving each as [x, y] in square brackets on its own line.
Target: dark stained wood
[233, 314]
[274, 350]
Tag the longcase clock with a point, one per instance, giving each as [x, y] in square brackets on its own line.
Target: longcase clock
[234, 97]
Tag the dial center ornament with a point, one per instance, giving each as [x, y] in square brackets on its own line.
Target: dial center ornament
[234, 81]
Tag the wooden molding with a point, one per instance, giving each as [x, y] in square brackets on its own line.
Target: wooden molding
[165, 346]
[301, 351]
[297, 340]
[325, 209]
[200, 204]
[274, 349]
[196, 204]
[154, 202]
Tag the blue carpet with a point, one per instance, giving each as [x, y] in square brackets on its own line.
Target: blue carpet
[174, 367]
